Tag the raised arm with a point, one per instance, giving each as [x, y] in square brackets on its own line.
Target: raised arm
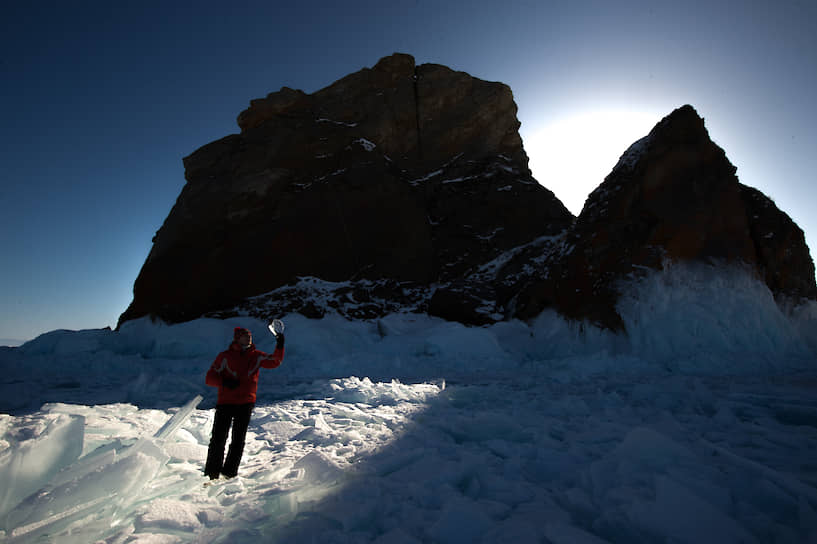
[274, 360]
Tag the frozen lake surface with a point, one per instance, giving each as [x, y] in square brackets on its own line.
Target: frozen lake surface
[698, 426]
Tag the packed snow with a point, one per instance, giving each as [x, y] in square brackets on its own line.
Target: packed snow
[699, 425]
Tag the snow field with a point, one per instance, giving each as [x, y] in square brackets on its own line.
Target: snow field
[674, 458]
[698, 426]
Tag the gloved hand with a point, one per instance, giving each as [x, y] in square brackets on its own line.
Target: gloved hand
[279, 341]
[230, 383]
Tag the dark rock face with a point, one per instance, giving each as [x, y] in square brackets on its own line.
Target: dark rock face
[782, 256]
[673, 196]
[406, 188]
[414, 174]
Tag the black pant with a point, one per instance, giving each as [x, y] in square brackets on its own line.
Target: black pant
[237, 415]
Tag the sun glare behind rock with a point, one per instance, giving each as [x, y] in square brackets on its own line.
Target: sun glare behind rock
[573, 154]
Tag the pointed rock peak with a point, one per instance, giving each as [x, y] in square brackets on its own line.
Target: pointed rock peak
[682, 125]
[673, 196]
[681, 128]
[670, 177]
[683, 114]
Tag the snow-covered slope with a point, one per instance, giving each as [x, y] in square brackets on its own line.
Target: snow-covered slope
[698, 426]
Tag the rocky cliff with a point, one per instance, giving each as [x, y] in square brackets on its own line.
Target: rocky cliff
[412, 174]
[673, 196]
[407, 187]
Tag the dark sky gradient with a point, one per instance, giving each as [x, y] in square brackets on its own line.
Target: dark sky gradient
[101, 100]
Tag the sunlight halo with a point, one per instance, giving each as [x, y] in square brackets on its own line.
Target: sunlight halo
[571, 155]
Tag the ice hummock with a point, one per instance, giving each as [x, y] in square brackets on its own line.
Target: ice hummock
[699, 425]
[38, 448]
[104, 481]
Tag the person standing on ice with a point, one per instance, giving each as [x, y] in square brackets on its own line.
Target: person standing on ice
[235, 373]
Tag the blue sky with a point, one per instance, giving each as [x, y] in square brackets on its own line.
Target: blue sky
[101, 100]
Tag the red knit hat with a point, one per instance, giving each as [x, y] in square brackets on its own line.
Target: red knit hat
[238, 331]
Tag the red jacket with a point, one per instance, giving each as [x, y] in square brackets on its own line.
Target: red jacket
[241, 365]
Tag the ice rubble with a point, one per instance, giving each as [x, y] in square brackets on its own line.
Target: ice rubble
[105, 480]
[36, 450]
[699, 426]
